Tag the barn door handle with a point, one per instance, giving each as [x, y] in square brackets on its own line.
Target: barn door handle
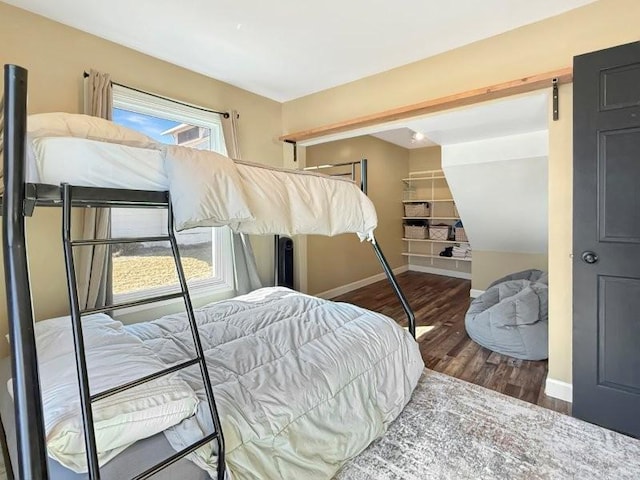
[589, 257]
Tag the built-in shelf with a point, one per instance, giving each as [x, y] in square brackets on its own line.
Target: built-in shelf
[419, 200]
[431, 218]
[430, 186]
[425, 255]
[433, 241]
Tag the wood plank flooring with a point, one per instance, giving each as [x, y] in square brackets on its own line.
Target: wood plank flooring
[440, 304]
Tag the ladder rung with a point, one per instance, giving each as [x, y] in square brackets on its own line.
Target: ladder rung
[114, 241]
[175, 457]
[135, 303]
[140, 381]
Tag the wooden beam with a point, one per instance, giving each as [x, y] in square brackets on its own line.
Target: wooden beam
[505, 89]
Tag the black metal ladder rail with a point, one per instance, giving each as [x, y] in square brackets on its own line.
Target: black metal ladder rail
[411, 317]
[86, 398]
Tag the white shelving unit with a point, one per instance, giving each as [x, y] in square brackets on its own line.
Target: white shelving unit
[430, 186]
[428, 255]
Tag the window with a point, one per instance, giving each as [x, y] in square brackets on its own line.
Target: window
[144, 269]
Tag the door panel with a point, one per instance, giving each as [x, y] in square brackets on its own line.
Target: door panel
[619, 339]
[618, 87]
[606, 238]
[618, 172]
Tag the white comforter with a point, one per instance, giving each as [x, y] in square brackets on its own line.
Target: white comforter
[302, 384]
[209, 189]
[302, 202]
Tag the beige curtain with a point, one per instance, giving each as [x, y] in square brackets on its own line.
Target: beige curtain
[94, 263]
[230, 131]
[244, 263]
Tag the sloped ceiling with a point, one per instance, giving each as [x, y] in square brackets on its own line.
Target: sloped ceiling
[500, 188]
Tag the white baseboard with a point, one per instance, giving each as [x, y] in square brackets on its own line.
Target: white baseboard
[474, 293]
[439, 271]
[334, 292]
[559, 390]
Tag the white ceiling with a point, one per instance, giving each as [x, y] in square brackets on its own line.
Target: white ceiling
[405, 137]
[290, 48]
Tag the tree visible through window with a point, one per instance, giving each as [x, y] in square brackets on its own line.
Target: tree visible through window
[140, 269]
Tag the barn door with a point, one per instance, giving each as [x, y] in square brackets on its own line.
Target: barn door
[606, 238]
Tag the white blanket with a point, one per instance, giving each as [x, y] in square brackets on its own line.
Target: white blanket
[302, 384]
[303, 203]
[114, 357]
[208, 189]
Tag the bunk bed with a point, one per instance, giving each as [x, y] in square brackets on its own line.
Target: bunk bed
[299, 354]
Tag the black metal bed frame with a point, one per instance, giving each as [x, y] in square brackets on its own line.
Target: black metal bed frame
[18, 201]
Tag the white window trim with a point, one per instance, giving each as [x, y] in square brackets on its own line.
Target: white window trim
[224, 280]
[128, 99]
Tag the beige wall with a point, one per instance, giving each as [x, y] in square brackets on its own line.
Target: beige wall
[336, 261]
[489, 266]
[427, 158]
[561, 238]
[540, 47]
[56, 57]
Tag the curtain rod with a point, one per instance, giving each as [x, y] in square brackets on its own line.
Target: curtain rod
[155, 95]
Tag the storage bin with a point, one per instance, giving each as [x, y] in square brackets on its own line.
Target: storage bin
[415, 232]
[420, 209]
[461, 235]
[439, 232]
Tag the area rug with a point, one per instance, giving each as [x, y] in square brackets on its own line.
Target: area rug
[455, 430]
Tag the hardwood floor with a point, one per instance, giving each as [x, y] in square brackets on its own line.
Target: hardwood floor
[440, 304]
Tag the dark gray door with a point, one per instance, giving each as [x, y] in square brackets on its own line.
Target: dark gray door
[606, 238]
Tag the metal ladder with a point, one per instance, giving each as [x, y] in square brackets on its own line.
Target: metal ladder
[86, 398]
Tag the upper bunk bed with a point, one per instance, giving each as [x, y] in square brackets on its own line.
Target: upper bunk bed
[77, 161]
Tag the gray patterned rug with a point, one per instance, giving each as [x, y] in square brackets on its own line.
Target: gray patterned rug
[455, 430]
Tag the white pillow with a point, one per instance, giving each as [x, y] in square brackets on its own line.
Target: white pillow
[59, 124]
[206, 188]
[113, 357]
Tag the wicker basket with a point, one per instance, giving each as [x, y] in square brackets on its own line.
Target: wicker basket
[461, 235]
[439, 232]
[416, 209]
[415, 232]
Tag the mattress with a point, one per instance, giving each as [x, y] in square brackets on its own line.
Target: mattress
[90, 163]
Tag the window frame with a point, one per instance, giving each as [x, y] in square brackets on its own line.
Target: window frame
[224, 279]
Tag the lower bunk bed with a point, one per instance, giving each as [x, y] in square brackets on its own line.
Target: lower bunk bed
[301, 384]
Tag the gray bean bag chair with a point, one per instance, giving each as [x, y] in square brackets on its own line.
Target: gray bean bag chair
[531, 275]
[511, 316]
